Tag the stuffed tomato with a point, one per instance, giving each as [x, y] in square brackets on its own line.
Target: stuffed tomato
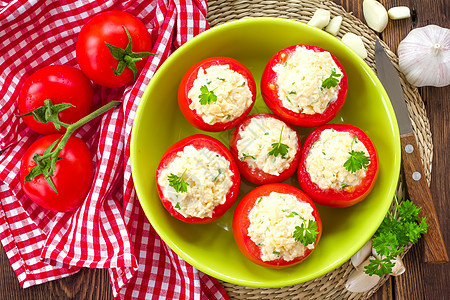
[338, 165]
[265, 148]
[276, 225]
[216, 94]
[197, 179]
[304, 85]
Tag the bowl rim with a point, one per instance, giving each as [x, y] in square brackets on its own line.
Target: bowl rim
[355, 246]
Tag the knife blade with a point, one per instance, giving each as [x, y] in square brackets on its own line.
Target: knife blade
[419, 193]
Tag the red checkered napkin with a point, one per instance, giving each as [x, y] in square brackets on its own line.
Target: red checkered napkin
[110, 229]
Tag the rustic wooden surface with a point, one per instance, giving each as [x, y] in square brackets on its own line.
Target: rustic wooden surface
[421, 281]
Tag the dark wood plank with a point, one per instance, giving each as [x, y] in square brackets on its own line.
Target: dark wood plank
[86, 284]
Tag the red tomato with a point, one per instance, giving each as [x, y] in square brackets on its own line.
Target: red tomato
[188, 81]
[60, 84]
[72, 179]
[346, 196]
[252, 172]
[269, 91]
[241, 224]
[199, 141]
[95, 58]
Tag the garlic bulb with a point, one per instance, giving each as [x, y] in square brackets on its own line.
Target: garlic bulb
[355, 43]
[375, 14]
[424, 56]
[320, 19]
[359, 281]
[362, 254]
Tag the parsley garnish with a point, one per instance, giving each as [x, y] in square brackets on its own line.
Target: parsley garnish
[177, 206]
[279, 148]
[207, 96]
[292, 214]
[217, 176]
[244, 155]
[343, 186]
[306, 233]
[222, 79]
[331, 81]
[394, 233]
[178, 183]
[357, 159]
[276, 253]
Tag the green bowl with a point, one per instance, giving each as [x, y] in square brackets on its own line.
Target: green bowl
[159, 123]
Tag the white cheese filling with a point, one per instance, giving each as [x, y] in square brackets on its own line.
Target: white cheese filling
[300, 80]
[326, 159]
[272, 224]
[256, 141]
[208, 176]
[230, 87]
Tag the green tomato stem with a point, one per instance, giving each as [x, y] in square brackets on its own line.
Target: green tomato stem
[71, 128]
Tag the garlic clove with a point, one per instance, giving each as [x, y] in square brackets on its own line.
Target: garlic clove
[359, 281]
[375, 14]
[424, 56]
[360, 256]
[334, 25]
[397, 269]
[399, 12]
[320, 19]
[355, 43]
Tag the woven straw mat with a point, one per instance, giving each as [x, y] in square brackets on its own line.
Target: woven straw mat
[332, 284]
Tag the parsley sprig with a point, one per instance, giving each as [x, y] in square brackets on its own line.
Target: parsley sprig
[394, 233]
[331, 81]
[279, 147]
[207, 96]
[306, 233]
[357, 159]
[178, 183]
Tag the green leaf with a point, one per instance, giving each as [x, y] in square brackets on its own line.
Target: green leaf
[306, 233]
[332, 80]
[379, 266]
[244, 155]
[178, 183]
[279, 148]
[276, 253]
[356, 161]
[393, 235]
[292, 214]
[206, 96]
[217, 176]
[177, 206]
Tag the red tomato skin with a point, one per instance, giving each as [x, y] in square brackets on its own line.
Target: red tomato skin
[256, 175]
[72, 179]
[60, 84]
[200, 141]
[94, 57]
[269, 89]
[188, 81]
[241, 223]
[338, 198]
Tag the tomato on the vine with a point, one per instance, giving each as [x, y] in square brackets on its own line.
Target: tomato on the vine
[55, 95]
[304, 85]
[348, 165]
[276, 225]
[72, 178]
[216, 93]
[197, 179]
[112, 48]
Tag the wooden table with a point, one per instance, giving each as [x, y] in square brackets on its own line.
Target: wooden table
[421, 281]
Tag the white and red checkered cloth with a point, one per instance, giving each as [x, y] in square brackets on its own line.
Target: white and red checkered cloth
[110, 229]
